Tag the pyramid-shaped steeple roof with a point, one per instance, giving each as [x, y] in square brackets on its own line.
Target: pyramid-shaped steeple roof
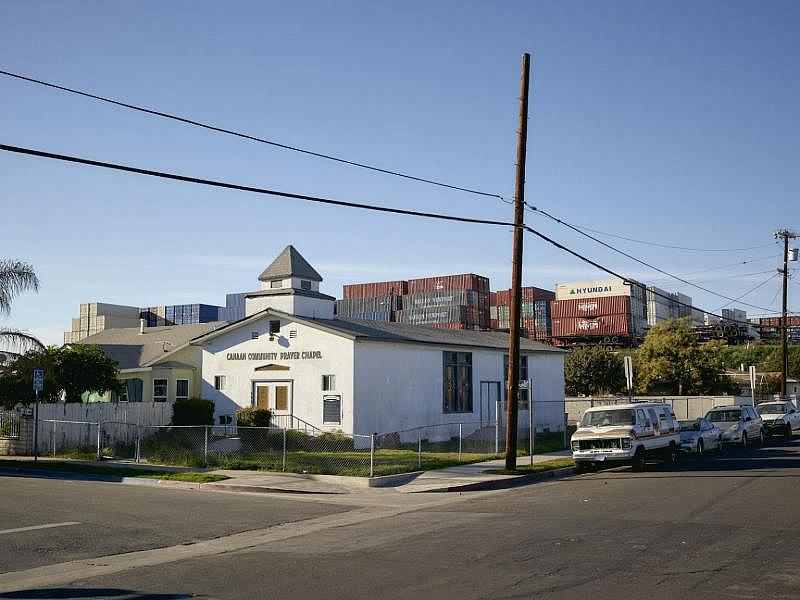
[290, 263]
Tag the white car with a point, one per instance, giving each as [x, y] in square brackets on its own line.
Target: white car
[699, 436]
[780, 418]
[739, 424]
[626, 433]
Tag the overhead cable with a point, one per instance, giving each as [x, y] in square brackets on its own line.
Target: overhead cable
[247, 136]
[638, 260]
[247, 188]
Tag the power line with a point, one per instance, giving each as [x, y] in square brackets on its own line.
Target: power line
[328, 201]
[638, 260]
[660, 245]
[736, 264]
[751, 290]
[246, 188]
[597, 265]
[247, 136]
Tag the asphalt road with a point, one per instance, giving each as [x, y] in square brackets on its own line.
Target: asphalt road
[723, 527]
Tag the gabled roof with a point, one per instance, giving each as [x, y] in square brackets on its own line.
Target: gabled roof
[290, 263]
[391, 332]
[132, 349]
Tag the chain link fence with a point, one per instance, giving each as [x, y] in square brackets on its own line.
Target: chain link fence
[289, 450]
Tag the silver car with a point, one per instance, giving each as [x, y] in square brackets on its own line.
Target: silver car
[739, 424]
[780, 418]
[699, 436]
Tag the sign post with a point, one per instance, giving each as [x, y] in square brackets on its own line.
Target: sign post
[38, 386]
[629, 376]
[753, 384]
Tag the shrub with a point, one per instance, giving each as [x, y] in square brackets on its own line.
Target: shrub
[253, 417]
[193, 411]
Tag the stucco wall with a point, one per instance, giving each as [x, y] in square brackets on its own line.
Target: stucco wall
[305, 375]
[400, 386]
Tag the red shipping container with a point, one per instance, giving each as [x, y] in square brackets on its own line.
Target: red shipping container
[607, 325]
[466, 281]
[374, 289]
[590, 307]
[791, 321]
[529, 293]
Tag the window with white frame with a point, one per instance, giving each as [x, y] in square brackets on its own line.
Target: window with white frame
[160, 387]
[276, 283]
[219, 382]
[332, 409]
[181, 389]
[328, 383]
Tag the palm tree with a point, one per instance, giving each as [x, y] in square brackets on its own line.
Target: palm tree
[16, 277]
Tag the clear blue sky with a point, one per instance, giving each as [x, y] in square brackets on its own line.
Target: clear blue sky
[675, 122]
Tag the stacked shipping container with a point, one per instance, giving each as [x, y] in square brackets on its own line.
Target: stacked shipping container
[450, 302]
[535, 310]
[609, 311]
[180, 314]
[447, 302]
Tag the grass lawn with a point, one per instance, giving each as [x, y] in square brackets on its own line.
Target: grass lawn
[354, 463]
[549, 465]
[116, 471]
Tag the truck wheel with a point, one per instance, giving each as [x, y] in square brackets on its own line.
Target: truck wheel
[638, 462]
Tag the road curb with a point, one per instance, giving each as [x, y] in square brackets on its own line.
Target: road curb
[506, 483]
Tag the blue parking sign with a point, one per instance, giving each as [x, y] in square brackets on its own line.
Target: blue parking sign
[38, 380]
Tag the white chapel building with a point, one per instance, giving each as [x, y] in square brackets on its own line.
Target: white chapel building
[292, 355]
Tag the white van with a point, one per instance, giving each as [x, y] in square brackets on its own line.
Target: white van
[626, 433]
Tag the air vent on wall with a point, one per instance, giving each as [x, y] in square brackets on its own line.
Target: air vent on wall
[292, 333]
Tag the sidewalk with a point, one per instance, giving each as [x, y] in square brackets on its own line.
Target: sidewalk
[461, 478]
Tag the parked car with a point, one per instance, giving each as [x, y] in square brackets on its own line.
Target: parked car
[780, 418]
[699, 436]
[626, 433]
[739, 424]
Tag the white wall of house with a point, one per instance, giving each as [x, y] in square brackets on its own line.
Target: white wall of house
[304, 374]
[401, 386]
[296, 304]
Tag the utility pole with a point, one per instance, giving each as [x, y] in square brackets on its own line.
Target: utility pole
[512, 389]
[786, 235]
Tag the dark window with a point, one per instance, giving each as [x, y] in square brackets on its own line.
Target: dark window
[274, 327]
[523, 376]
[219, 382]
[328, 383]
[181, 389]
[332, 409]
[253, 335]
[457, 382]
[305, 285]
[225, 419]
[159, 390]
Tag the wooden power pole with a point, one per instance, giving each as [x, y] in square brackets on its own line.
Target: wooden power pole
[512, 382]
[786, 235]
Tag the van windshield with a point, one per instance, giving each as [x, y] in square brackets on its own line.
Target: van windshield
[606, 418]
[771, 409]
[723, 416]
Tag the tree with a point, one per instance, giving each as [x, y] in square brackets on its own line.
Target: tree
[16, 277]
[69, 370]
[671, 359]
[593, 370]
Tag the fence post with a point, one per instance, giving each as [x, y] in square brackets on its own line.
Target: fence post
[419, 449]
[54, 437]
[372, 455]
[99, 450]
[459, 441]
[205, 446]
[284, 450]
[138, 451]
[531, 432]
